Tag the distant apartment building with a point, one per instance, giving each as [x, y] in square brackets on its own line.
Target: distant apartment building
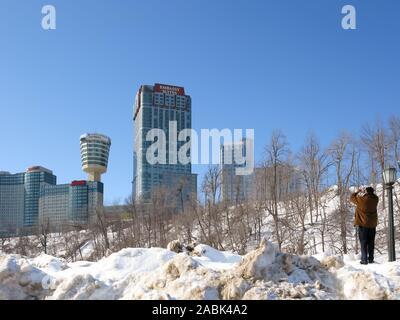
[258, 185]
[155, 106]
[69, 205]
[288, 181]
[235, 187]
[12, 190]
[19, 198]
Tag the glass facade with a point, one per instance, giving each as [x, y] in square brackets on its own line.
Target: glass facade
[155, 107]
[53, 204]
[34, 179]
[19, 198]
[70, 204]
[78, 203]
[11, 203]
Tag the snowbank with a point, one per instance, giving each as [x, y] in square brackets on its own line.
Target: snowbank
[203, 273]
[20, 279]
[378, 281]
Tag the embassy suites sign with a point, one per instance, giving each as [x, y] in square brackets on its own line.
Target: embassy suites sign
[165, 88]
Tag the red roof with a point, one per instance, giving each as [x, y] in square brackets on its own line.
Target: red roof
[78, 183]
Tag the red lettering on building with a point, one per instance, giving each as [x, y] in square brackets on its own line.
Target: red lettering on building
[165, 88]
[78, 183]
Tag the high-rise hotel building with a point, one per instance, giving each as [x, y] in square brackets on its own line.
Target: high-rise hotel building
[19, 198]
[155, 106]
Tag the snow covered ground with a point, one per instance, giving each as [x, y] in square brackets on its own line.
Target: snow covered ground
[204, 273]
[377, 281]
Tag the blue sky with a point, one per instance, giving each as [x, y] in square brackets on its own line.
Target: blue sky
[246, 64]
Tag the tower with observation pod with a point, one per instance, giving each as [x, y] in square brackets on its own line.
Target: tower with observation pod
[95, 149]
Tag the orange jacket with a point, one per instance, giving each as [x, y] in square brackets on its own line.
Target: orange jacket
[366, 214]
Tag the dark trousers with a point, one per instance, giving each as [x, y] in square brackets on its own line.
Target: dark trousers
[367, 242]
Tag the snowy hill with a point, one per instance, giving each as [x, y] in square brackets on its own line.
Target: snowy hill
[204, 273]
[237, 228]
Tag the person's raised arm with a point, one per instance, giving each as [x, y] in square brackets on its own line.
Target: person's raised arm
[354, 198]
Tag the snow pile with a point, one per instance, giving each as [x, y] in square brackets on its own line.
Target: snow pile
[19, 279]
[202, 273]
[214, 259]
[180, 278]
[104, 279]
[210, 274]
[378, 281]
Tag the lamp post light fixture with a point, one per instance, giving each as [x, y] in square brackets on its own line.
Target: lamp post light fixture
[389, 178]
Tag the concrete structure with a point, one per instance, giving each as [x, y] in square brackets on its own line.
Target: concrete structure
[95, 149]
[155, 107]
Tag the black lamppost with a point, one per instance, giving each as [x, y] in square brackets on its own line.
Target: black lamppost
[389, 177]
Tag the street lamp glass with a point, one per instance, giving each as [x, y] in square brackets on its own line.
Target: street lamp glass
[389, 175]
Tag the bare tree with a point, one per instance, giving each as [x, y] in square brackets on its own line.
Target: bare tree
[376, 142]
[102, 226]
[394, 126]
[296, 209]
[211, 223]
[132, 208]
[211, 185]
[343, 153]
[314, 164]
[275, 156]
[43, 233]
[183, 225]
